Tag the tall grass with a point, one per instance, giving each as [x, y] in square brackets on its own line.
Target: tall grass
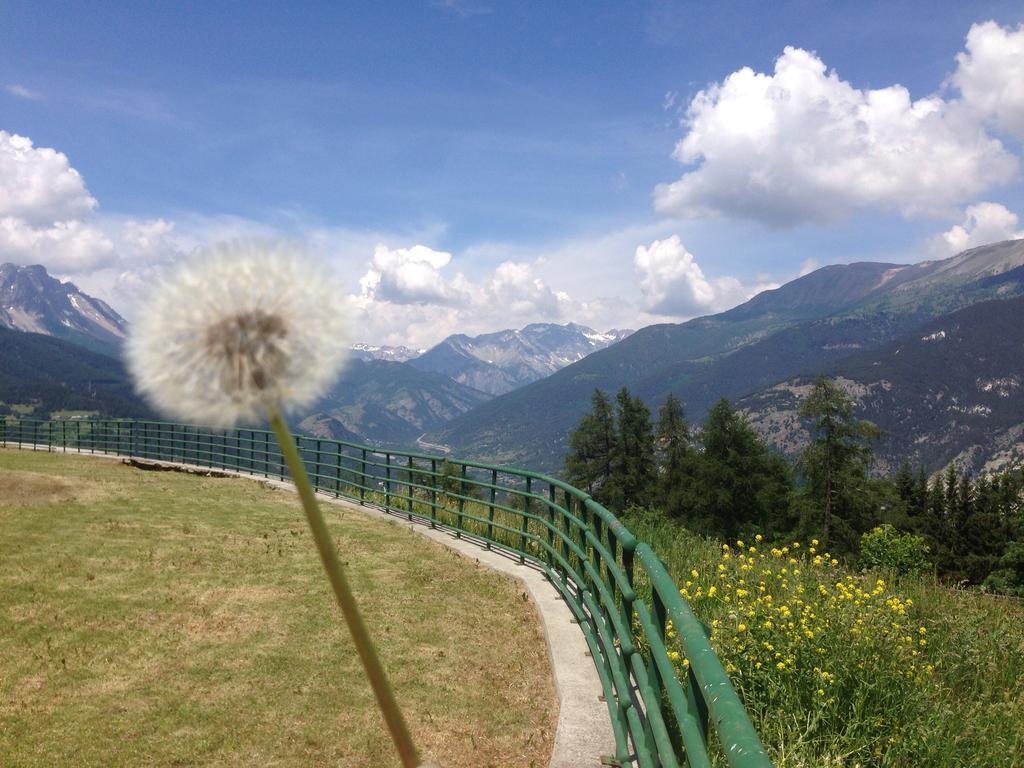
[845, 668]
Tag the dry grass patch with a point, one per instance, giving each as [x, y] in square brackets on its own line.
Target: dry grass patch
[157, 618]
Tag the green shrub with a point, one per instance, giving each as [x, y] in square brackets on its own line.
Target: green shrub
[884, 547]
[1009, 578]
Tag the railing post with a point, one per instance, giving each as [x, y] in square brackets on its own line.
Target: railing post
[387, 482]
[490, 511]
[318, 480]
[266, 454]
[461, 505]
[627, 567]
[526, 520]
[362, 478]
[551, 524]
[695, 702]
[409, 483]
[566, 538]
[337, 471]
[433, 493]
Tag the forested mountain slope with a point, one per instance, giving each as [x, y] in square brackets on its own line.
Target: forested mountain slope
[815, 319]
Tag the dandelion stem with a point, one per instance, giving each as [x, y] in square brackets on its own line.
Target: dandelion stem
[346, 600]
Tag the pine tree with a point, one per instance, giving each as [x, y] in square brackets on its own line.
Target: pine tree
[674, 456]
[738, 483]
[633, 464]
[592, 448]
[835, 463]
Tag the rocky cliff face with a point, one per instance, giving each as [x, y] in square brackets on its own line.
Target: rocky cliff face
[952, 391]
[398, 354]
[388, 403]
[33, 301]
[500, 362]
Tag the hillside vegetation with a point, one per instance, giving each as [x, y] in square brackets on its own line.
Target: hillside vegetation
[951, 391]
[381, 402]
[840, 667]
[828, 594]
[45, 374]
[799, 328]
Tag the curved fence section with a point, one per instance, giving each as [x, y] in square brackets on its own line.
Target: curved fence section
[669, 699]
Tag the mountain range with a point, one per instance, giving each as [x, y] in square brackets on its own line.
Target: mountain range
[383, 402]
[33, 301]
[951, 391]
[930, 351]
[381, 398]
[500, 362]
[796, 329]
[382, 352]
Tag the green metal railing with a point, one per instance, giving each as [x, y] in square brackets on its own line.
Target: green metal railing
[616, 587]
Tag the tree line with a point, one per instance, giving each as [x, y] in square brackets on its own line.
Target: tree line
[723, 480]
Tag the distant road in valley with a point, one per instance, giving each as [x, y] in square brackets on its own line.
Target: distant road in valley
[431, 446]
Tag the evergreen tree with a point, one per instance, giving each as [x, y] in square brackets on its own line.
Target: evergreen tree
[633, 456]
[674, 456]
[906, 485]
[921, 497]
[835, 463]
[738, 483]
[592, 449]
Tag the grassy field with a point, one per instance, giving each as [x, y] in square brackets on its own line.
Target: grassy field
[158, 618]
[841, 668]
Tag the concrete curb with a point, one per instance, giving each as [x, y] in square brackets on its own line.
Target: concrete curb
[584, 732]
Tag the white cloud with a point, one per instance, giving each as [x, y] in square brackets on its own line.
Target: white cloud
[808, 265]
[21, 92]
[408, 276]
[516, 290]
[803, 145]
[990, 75]
[462, 8]
[42, 204]
[65, 246]
[673, 284]
[38, 184]
[983, 223]
[412, 296]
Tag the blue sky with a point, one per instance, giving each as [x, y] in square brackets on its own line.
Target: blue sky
[524, 141]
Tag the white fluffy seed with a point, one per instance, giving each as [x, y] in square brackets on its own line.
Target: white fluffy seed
[240, 328]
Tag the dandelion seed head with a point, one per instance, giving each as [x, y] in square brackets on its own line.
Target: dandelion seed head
[240, 328]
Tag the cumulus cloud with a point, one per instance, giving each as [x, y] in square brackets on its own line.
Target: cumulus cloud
[802, 145]
[990, 75]
[38, 184]
[65, 246]
[408, 276]
[983, 223]
[673, 284]
[43, 202]
[413, 296]
[515, 289]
